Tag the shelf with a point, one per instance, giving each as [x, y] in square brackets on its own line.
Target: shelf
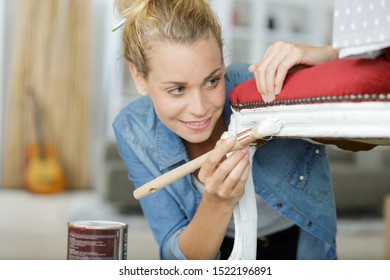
[255, 24]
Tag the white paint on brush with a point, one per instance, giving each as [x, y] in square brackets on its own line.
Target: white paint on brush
[267, 127]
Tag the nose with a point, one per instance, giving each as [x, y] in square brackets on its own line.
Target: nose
[197, 104]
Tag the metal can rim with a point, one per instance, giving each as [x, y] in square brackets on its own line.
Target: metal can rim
[97, 224]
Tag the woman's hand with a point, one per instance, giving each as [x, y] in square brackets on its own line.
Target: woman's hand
[225, 178]
[271, 71]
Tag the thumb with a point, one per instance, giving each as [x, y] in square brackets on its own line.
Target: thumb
[252, 68]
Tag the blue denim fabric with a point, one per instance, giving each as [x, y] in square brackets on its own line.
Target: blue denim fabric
[291, 175]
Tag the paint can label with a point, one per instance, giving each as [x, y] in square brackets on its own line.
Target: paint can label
[97, 240]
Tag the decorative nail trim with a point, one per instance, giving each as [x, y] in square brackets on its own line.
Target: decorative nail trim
[383, 97]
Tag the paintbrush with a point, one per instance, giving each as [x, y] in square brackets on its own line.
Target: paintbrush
[244, 138]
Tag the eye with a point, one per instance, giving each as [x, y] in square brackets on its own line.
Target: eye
[177, 91]
[213, 82]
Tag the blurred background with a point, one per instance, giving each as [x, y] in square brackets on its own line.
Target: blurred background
[62, 81]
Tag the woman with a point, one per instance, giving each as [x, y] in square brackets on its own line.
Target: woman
[174, 50]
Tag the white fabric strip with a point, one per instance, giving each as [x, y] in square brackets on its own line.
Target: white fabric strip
[245, 212]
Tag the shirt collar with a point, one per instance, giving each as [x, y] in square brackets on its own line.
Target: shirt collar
[170, 147]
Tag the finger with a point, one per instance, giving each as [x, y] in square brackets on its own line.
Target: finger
[235, 176]
[231, 176]
[216, 156]
[223, 171]
[266, 72]
[253, 67]
[294, 57]
[239, 188]
[245, 174]
[282, 71]
[278, 68]
[268, 77]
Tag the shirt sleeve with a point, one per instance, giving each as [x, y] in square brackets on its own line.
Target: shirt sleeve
[162, 212]
[236, 73]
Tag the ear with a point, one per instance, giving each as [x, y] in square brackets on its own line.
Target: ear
[138, 79]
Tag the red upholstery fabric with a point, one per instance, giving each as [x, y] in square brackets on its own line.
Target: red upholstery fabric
[336, 81]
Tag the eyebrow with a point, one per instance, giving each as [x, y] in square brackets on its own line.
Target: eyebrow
[204, 80]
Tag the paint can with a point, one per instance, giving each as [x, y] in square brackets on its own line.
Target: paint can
[97, 240]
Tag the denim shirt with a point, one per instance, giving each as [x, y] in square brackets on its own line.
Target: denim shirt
[291, 175]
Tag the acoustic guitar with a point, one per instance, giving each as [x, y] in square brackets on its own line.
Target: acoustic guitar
[44, 173]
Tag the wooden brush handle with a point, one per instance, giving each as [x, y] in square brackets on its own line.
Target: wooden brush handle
[170, 177]
[243, 139]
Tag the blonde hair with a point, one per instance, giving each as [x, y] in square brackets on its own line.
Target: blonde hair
[151, 21]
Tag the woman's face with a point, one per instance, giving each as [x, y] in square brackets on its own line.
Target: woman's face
[186, 85]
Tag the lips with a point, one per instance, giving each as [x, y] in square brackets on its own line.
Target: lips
[198, 125]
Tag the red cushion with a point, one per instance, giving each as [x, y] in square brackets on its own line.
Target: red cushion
[337, 81]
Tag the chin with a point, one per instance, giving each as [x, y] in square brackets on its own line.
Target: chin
[196, 138]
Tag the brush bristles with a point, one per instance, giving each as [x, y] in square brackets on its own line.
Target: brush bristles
[267, 128]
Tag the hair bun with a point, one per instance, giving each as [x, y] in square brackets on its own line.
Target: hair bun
[124, 7]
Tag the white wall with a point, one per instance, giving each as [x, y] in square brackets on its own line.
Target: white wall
[224, 11]
[107, 89]
[99, 11]
[2, 39]
[7, 22]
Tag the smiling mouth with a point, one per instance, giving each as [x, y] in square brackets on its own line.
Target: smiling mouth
[200, 123]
